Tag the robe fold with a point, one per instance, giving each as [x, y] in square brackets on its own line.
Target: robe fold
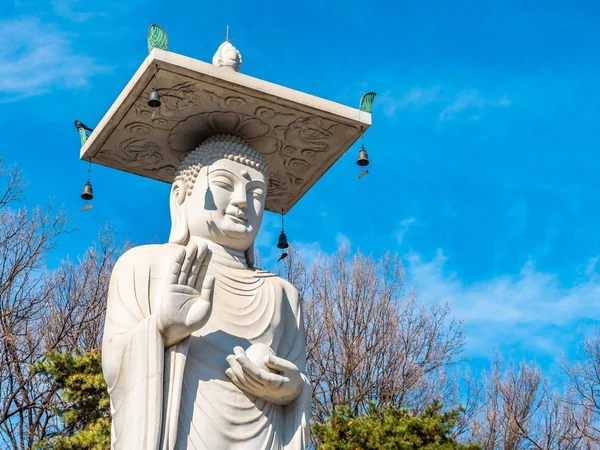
[179, 397]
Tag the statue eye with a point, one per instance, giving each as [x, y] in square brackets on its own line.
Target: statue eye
[223, 183]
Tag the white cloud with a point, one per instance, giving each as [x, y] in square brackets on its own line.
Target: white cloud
[82, 10]
[75, 10]
[403, 229]
[36, 57]
[310, 251]
[416, 97]
[343, 241]
[591, 265]
[530, 310]
[470, 104]
[419, 96]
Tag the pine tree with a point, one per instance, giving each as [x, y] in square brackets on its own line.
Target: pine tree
[85, 412]
[388, 427]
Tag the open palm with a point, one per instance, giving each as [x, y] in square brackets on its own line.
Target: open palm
[184, 309]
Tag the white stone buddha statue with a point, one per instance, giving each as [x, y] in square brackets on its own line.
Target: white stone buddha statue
[201, 350]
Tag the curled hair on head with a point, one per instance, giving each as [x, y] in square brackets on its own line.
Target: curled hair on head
[219, 146]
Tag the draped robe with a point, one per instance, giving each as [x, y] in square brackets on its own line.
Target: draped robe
[179, 397]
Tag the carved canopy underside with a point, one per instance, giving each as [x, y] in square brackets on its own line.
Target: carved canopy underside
[300, 135]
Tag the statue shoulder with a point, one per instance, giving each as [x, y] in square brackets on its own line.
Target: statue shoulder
[146, 256]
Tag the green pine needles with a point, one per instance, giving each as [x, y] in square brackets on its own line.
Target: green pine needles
[390, 428]
[85, 411]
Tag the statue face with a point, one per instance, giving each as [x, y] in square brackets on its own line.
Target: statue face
[230, 211]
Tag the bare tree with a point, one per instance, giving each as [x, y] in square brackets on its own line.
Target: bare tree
[517, 408]
[75, 316]
[12, 186]
[584, 380]
[41, 311]
[368, 341]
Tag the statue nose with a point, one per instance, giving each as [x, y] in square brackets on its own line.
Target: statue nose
[240, 201]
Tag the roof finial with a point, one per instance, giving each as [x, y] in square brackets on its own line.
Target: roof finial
[227, 56]
[157, 37]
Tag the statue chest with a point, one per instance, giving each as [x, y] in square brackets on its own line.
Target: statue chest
[246, 310]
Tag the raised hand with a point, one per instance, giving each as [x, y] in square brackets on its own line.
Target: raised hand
[184, 309]
[281, 388]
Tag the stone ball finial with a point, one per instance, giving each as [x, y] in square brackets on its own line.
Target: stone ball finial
[228, 57]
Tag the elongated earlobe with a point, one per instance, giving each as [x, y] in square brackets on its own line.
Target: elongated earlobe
[180, 233]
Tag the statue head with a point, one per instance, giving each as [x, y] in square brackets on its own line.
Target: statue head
[219, 194]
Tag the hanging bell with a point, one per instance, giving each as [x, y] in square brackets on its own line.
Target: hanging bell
[363, 158]
[87, 192]
[282, 243]
[154, 99]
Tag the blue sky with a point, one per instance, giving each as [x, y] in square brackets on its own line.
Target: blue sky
[484, 146]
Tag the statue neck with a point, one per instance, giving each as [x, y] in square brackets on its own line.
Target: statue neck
[224, 256]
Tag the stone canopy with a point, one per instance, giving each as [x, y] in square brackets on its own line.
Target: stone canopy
[301, 136]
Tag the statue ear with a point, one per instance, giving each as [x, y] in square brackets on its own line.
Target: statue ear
[179, 226]
[250, 256]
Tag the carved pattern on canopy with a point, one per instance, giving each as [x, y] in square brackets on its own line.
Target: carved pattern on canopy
[152, 142]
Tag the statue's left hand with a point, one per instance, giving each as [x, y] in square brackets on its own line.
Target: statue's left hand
[280, 388]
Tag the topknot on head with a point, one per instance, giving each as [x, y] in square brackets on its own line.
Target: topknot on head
[219, 146]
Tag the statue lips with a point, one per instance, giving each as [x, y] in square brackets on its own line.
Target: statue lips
[237, 217]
